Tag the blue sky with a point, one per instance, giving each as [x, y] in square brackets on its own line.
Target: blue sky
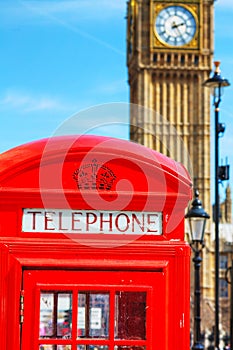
[59, 57]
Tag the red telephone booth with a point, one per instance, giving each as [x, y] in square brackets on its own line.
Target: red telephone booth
[92, 250]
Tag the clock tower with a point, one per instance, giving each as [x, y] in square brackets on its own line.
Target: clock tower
[169, 56]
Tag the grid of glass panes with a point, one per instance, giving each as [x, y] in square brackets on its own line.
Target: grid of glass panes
[89, 328]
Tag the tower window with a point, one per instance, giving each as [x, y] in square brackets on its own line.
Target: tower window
[162, 58]
[155, 57]
[223, 261]
[223, 286]
[196, 60]
[182, 59]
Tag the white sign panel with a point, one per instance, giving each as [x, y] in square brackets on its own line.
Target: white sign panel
[81, 317]
[95, 316]
[91, 222]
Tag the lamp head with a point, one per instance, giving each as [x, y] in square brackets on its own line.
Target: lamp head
[197, 217]
[216, 80]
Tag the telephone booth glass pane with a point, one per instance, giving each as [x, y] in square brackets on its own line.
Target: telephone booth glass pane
[46, 315]
[130, 316]
[64, 315]
[55, 315]
[93, 315]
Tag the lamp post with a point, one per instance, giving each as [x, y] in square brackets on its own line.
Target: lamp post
[216, 83]
[197, 220]
[230, 281]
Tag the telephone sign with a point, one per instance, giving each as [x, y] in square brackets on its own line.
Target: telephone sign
[89, 221]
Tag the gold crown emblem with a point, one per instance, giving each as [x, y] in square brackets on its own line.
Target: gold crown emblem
[93, 176]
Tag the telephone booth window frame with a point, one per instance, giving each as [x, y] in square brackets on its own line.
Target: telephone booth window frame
[113, 342]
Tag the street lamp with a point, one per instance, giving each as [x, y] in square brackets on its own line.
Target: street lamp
[197, 220]
[216, 83]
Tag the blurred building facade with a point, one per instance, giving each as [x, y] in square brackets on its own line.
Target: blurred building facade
[170, 46]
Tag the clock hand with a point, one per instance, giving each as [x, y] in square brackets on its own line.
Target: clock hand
[178, 31]
[174, 25]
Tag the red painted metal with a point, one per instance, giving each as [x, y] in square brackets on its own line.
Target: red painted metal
[49, 174]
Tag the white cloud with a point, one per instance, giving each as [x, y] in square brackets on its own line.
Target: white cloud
[27, 103]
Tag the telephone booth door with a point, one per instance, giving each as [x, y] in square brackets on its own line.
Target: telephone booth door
[92, 310]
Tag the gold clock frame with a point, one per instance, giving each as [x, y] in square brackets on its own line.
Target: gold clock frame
[158, 43]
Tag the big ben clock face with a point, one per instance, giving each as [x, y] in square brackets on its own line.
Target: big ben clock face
[175, 26]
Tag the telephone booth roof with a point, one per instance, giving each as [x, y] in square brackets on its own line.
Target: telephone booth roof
[28, 155]
[93, 172]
